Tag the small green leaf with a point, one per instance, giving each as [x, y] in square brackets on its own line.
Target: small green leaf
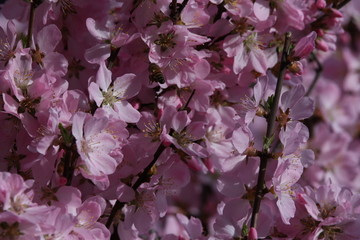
[269, 103]
[68, 138]
[244, 230]
[268, 142]
[23, 38]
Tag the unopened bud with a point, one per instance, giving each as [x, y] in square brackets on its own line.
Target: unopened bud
[209, 165]
[287, 76]
[136, 105]
[193, 164]
[62, 181]
[322, 45]
[252, 234]
[166, 143]
[336, 13]
[320, 4]
[305, 46]
[320, 32]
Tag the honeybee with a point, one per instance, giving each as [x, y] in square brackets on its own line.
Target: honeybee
[155, 74]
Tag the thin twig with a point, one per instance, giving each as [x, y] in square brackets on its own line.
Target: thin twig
[183, 5]
[269, 133]
[113, 56]
[221, 9]
[318, 71]
[188, 101]
[143, 177]
[30, 26]
[322, 17]
[136, 3]
[173, 9]
[342, 4]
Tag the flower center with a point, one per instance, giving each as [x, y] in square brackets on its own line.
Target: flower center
[22, 79]
[152, 130]
[112, 96]
[166, 41]
[183, 138]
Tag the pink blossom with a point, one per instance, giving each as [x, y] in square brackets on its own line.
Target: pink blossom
[248, 51]
[114, 97]
[94, 143]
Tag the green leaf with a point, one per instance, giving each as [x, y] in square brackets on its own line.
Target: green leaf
[268, 142]
[66, 135]
[23, 38]
[269, 103]
[244, 230]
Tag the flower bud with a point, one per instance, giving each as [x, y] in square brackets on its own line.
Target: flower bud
[252, 234]
[320, 4]
[322, 45]
[335, 13]
[320, 32]
[209, 165]
[305, 45]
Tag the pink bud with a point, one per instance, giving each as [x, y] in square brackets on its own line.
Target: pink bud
[194, 164]
[320, 32]
[136, 105]
[305, 45]
[336, 13]
[320, 4]
[166, 143]
[227, 70]
[209, 165]
[322, 45]
[62, 181]
[287, 76]
[301, 199]
[252, 234]
[160, 113]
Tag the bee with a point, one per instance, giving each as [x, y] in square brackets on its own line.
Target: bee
[155, 74]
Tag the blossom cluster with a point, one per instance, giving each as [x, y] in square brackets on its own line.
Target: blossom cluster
[179, 119]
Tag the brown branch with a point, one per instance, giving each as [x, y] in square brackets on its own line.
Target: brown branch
[318, 71]
[342, 4]
[143, 177]
[113, 56]
[269, 132]
[30, 25]
[188, 101]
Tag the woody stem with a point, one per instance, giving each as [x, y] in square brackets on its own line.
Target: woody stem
[269, 133]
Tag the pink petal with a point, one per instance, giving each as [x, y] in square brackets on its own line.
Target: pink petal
[94, 126]
[96, 94]
[261, 9]
[286, 207]
[127, 112]
[78, 124]
[98, 53]
[126, 86]
[258, 60]
[95, 31]
[241, 59]
[103, 77]
[48, 38]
